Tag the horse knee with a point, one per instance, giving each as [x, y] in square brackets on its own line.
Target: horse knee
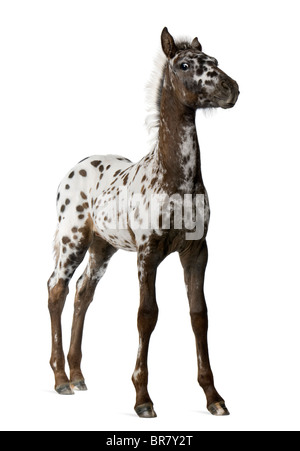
[199, 321]
[147, 318]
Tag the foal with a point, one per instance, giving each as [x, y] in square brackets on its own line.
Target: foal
[90, 200]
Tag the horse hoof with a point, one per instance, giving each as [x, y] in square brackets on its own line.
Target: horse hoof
[218, 409]
[64, 389]
[79, 385]
[145, 410]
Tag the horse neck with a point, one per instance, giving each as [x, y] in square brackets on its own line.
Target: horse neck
[178, 147]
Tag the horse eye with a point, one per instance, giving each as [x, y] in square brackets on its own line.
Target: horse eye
[184, 66]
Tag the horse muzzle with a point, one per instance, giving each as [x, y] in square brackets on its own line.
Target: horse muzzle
[228, 93]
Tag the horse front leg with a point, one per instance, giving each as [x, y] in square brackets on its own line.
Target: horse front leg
[194, 264]
[147, 318]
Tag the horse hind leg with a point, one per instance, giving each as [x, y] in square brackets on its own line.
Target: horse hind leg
[70, 248]
[100, 253]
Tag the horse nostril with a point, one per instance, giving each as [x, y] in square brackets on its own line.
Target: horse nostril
[225, 86]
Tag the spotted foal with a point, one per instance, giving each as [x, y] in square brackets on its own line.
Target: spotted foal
[90, 201]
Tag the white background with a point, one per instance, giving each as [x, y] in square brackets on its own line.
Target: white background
[72, 84]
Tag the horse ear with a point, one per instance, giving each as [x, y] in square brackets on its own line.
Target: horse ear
[196, 44]
[168, 44]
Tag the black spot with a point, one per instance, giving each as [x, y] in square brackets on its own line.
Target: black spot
[123, 159]
[83, 160]
[212, 74]
[82, 172]
[96, 163]
[71, 175]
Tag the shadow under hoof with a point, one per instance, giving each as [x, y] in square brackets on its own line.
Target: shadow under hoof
[218, 409]
[64, 389]
[145, 410]
[79, 385]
